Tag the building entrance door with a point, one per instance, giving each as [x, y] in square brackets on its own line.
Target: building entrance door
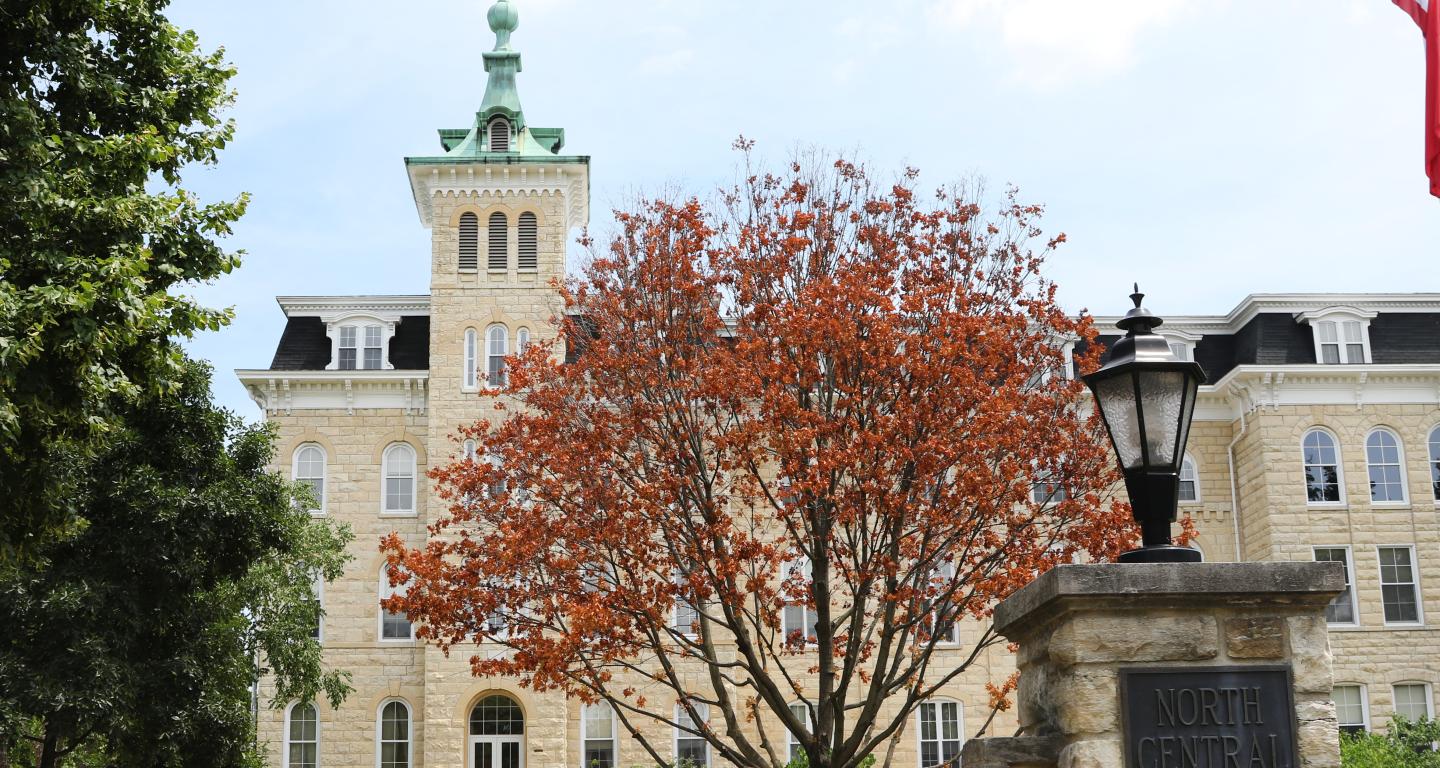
[496, 752]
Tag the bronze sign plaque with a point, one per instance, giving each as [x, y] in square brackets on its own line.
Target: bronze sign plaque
[1208, 717]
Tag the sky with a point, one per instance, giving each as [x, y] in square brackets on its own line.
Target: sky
[1208, 149]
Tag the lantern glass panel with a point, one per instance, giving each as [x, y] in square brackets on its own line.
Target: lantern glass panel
[1162, 400]
[1116, 396]
[1192, 385]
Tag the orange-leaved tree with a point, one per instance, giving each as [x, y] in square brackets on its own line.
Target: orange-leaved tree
[806, 437]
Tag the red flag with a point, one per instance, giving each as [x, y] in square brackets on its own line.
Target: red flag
[1426, 13]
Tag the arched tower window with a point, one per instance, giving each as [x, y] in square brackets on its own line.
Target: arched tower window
[529, 241]
[310, 470]
[1189, 481]
[1383, 459]
[302, 737]
[469, 241]
[472, 358]
[393, 733]
[499, 251]
[496, 348]
[1322, 468]
[499, 133]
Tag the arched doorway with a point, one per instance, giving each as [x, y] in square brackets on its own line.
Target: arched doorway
[497, 733]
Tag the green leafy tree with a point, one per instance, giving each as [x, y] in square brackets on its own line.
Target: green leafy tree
[102, 104]
[1406, 744]
[138, 637]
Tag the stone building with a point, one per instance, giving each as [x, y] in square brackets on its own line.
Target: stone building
[1310, 396]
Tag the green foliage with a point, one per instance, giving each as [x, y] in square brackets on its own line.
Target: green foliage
[802, 760]
[138, 636]
[102, 104]
[1406, 744]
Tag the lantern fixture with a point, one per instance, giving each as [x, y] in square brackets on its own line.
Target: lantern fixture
[1146, 395]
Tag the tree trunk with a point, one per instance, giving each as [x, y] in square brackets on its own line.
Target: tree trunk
[50, 748]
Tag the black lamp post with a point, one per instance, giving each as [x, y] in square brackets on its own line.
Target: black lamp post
[1147, 397]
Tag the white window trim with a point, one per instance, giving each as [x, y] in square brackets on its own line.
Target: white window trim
[799, 563]
[490, 352]
[1429, 697]
[614, 731]
[286, 742]
[333, 323]
[947, 571]
[1415, 580]
[1350, 582]
[702, 709]
[939, 729]
[1338, 315]
[1190, 460]
[409, 729]
[522, 339]
[1364, 702]
[470, 356]
[324, 473]
[1339, 471]
[413, 509]
[791, 745]
[1432, 458]
[380, 615]
[1183, 339]
[1404, 477]
[678, 578]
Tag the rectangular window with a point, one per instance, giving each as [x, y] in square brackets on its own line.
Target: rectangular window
[1412, 701]
[372, 347]
[799, 618]
[802, 713]
[689, 746]
[1341, 610]
[1350, 708]
[1354, 345]
[1329, 343]
[598, 722]
[940, 739]
[1399, 593]
[347, 348]
[1342, 341]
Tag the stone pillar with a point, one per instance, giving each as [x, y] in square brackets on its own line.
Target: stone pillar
[1079, 626]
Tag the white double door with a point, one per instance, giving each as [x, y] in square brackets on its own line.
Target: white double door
[497, 752]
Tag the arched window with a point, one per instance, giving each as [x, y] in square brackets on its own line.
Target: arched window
[393, 625]
[689, 744]
[522, 340]
[798, 619]
[399, 490]
[597, 735]
[499, 132]
[497, 342]
[1435, 462]
[302, 736]
[1322, 467]
[317, 602]
[1412, 701]
[685, 617]
[794, 749]
[940, 733]
[392, 734]
[1382, 457]
[529, 242]
[498, 239]
[468, 450]
[310, 469]
[469, 241]
[472, 358]
[497, 715]
[1189, 480]
[944, 616]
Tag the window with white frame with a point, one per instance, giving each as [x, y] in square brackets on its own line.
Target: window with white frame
[1189, 481]
[1341, 609]
[1045, 488]
[597, 735]
[317, 603]
[1435, 462]
[471, 371]
[497, 486]
[497, 346]
[1399, 591]
[522, 340]
[688, 744]
[685, 617]
[794, 749]
[1342, 335]
[399, 482]
[1383, 459]
[394, 625]
[469, 256]
[1351, 708]
[939, 732]
[798, 619]
[302, 736]
[392, 731]
[944, 618]
[362, 344]
[497, 240]
[1322, 467]
[499, 134]
[309, 468]
[1412, 701]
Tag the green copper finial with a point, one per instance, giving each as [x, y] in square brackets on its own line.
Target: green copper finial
[504, 18]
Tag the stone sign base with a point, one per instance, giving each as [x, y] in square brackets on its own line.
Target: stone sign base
[1203, 652]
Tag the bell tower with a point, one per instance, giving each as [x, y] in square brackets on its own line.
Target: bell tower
[500, 200]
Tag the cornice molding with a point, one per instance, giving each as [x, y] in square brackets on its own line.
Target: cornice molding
[529, 179]
[1290, 304]
[338, 306]
[284, 392]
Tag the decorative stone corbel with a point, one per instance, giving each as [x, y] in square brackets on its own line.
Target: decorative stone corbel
[349, 398]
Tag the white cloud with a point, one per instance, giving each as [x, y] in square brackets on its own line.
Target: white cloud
[1052, 41]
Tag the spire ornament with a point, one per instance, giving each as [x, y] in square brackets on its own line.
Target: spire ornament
[504, 18]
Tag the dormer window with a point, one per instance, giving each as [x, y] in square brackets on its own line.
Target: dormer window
[499, 134]
[1182, 344]
[360, 344]
[1342, 335]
